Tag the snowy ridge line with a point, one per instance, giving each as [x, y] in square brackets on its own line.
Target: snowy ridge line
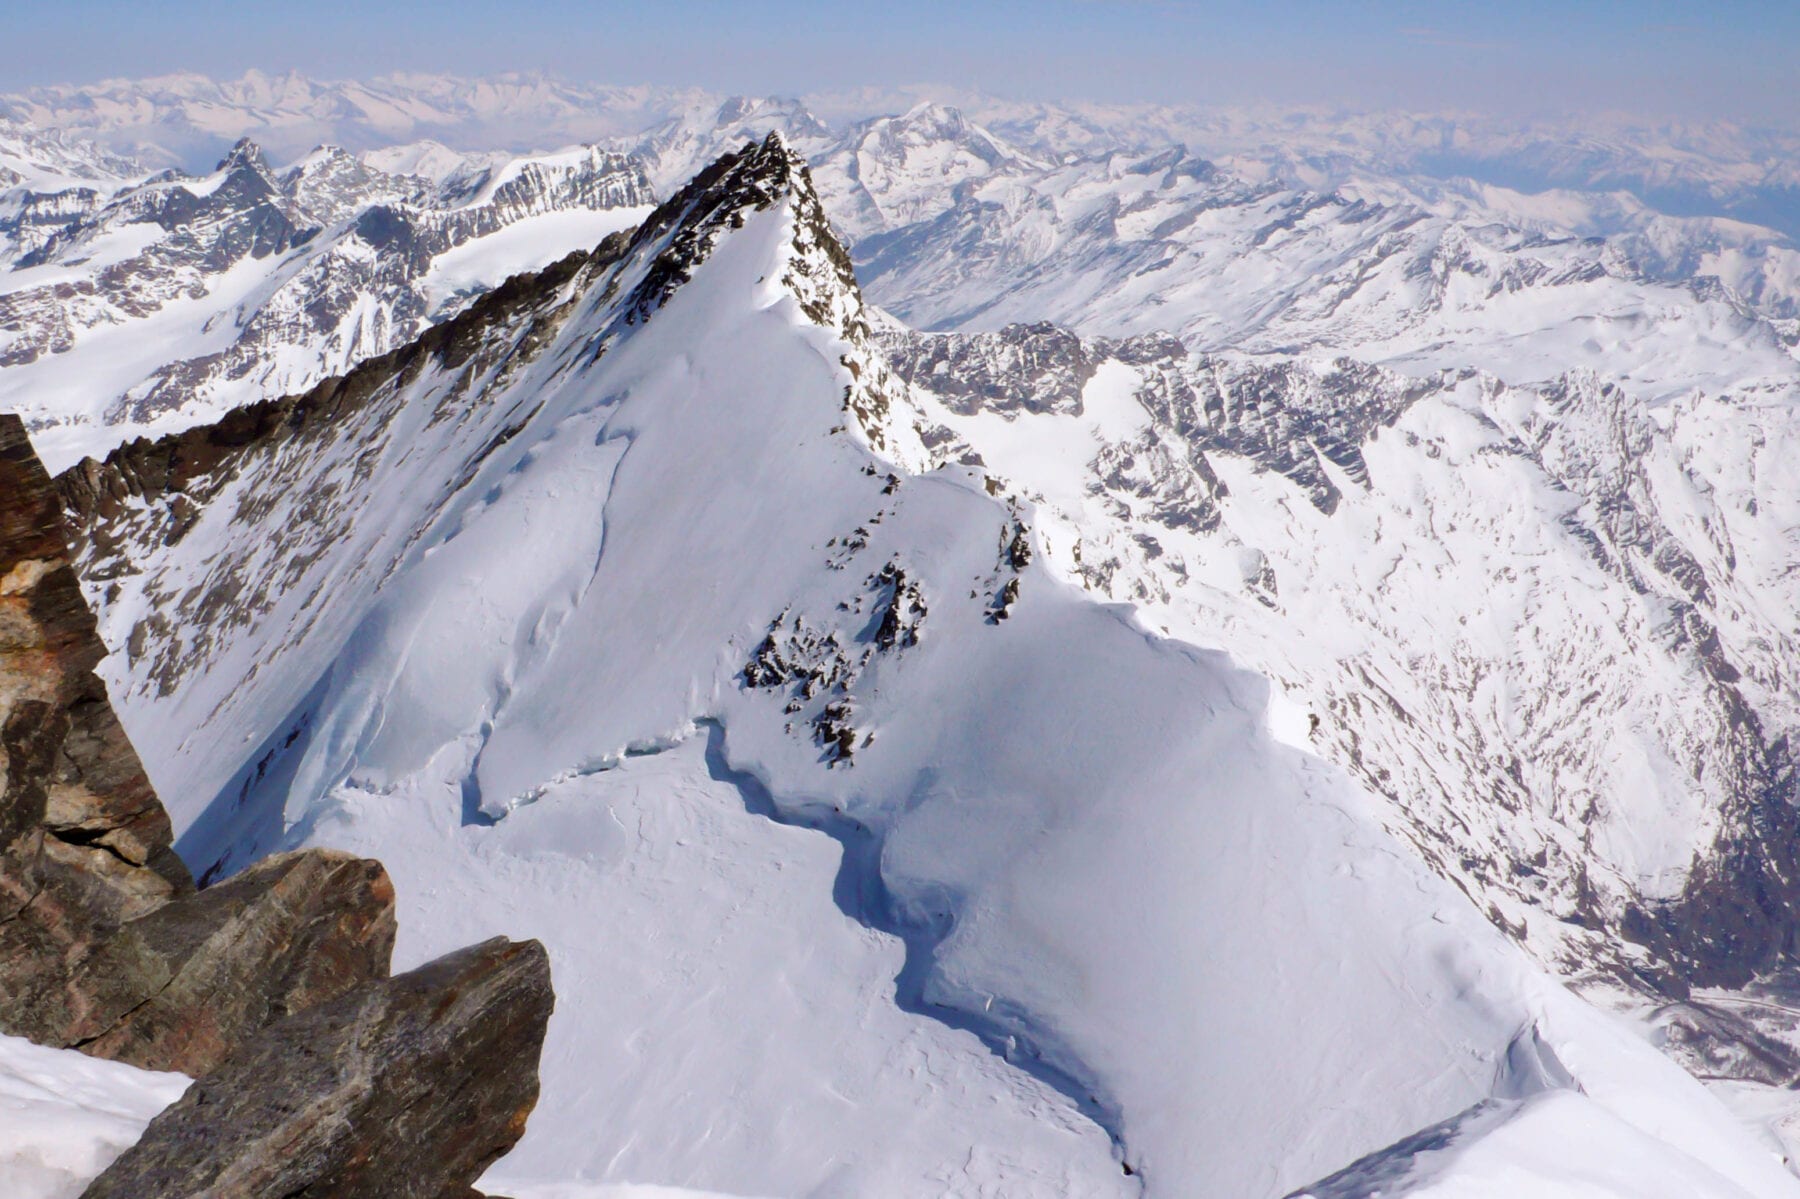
[977, 218]
[1261, 983]
[1716, 168]
[196, 461]
[164, 302]
[666, 247]
[157, 488]
[148, 468]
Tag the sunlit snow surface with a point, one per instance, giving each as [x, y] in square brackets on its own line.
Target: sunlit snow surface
[522, 687]
[720, 1021]
[64, 1116]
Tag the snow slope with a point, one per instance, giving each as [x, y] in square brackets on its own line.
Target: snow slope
[64, 1116]
[1551, 624]
[658, 520]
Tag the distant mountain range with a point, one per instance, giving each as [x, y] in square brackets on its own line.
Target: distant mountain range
[1681, 169]
[1269, 606]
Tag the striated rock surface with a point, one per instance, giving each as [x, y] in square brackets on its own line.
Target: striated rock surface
[283, 936]
[105, 945]
[402, 1089]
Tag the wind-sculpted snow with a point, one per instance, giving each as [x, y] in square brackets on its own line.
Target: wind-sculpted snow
[620, 532]
[1543, 622]
[163, 304]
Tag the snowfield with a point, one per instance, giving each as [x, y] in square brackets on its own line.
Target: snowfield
[64, 1116]
[874, 857]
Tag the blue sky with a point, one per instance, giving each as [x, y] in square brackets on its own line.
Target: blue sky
[1731, 58]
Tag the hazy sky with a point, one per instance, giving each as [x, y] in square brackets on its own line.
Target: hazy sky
[1702, 58]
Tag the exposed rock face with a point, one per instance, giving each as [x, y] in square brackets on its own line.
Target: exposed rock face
[105, 944]
[402, 1089]
[82, 837]
[1040, 368]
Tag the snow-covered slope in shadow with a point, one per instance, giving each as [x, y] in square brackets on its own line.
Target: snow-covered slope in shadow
[458, 605]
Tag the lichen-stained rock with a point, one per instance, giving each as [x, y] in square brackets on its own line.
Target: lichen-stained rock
[402, 1089]
[179, 988]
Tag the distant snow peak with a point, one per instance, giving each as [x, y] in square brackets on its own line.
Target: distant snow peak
[246, 283]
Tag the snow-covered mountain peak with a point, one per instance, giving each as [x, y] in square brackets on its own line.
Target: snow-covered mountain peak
[796, 120]
[246, 155]
[48, 160]
[246, 282]
[613, 519]
[1495, 494]
[685, 142]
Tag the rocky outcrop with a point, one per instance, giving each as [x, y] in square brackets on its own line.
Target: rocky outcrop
[81, 832]
[320, 1075]
[1038, 368]
[285, 935]
[105, 945]
[403, 1089]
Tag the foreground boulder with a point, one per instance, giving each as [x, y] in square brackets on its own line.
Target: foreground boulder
[105, 945]
[285, 935]
[403, 1089]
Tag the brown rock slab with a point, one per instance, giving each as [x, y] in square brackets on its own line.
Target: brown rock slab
[287, 934]
[82, 835]
[403, 1089]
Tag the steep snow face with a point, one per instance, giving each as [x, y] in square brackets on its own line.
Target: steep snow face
[178, 299]
[619, 531]
[1553, 626]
